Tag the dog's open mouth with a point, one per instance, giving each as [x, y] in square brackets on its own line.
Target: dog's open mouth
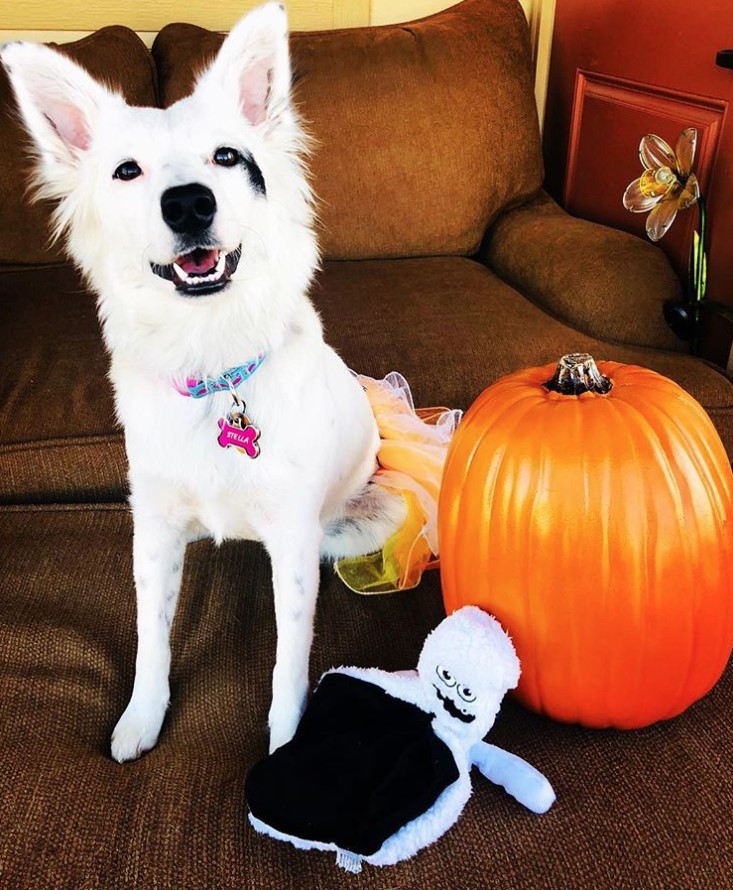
[201, 271]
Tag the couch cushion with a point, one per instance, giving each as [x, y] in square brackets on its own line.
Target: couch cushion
[58, 438]
[116, 55]
[423, 132]
[452, 328]
[647, 809]
[449, 324]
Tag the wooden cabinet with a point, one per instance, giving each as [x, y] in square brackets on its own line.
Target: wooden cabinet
[620, 69]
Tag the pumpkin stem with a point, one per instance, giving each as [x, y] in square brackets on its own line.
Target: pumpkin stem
[577, 373]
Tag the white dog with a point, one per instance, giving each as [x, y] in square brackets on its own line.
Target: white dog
[194, 227]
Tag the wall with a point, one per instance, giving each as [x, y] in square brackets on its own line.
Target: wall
[70, 19]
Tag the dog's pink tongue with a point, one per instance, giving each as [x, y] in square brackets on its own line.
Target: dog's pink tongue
[199, 261]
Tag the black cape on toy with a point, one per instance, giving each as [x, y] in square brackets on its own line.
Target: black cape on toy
[380, 764]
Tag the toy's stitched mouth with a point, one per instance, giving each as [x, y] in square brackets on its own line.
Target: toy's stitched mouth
[201, 271]
[451, 708]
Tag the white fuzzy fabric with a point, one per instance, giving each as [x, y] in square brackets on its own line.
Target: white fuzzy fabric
[469, 660]
[471, 648]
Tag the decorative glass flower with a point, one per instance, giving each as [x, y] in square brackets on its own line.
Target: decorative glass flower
[667, 184]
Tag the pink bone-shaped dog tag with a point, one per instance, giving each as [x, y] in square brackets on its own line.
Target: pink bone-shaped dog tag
[244, 438]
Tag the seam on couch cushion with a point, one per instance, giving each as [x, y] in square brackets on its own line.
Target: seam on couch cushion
[65, 508]
[67, 442]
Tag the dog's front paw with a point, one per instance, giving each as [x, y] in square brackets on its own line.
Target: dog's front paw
[135, 733]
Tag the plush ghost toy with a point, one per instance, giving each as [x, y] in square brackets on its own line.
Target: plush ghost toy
[380, 764]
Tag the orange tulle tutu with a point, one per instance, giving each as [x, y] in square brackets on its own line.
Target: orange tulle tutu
[414, 443]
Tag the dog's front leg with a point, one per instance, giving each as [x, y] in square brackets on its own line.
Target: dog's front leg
[295, 560]
[158, 551]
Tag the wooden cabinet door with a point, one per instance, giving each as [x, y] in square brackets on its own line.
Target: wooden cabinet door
[621, 69]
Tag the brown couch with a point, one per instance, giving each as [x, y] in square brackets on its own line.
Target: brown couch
[442, 259]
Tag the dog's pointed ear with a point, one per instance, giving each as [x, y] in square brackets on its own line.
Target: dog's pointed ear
[58, 101]
[253, 65]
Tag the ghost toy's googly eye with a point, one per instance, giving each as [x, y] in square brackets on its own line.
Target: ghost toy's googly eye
[445, 676]
[466, 694]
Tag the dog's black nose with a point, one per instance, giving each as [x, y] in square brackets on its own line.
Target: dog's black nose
[188, 209]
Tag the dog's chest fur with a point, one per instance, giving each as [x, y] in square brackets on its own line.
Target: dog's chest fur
[317, 441]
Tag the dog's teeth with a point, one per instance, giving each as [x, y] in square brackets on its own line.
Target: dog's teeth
[216, 274]
[180, 272]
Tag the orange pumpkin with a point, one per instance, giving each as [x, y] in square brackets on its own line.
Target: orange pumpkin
[592, 513]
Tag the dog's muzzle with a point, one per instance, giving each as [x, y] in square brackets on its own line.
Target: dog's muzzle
[201, 271]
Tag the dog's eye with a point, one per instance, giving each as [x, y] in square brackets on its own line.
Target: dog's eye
[227, 157]
[128, 170]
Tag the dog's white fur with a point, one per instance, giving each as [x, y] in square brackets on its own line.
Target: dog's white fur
[308, 493]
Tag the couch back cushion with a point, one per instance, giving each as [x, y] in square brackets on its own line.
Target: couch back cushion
[115, 55]
[424, 132]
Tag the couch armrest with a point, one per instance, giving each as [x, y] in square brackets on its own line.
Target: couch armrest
[599, 280]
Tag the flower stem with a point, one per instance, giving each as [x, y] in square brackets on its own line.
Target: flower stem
[697, 267]
[697, 276]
